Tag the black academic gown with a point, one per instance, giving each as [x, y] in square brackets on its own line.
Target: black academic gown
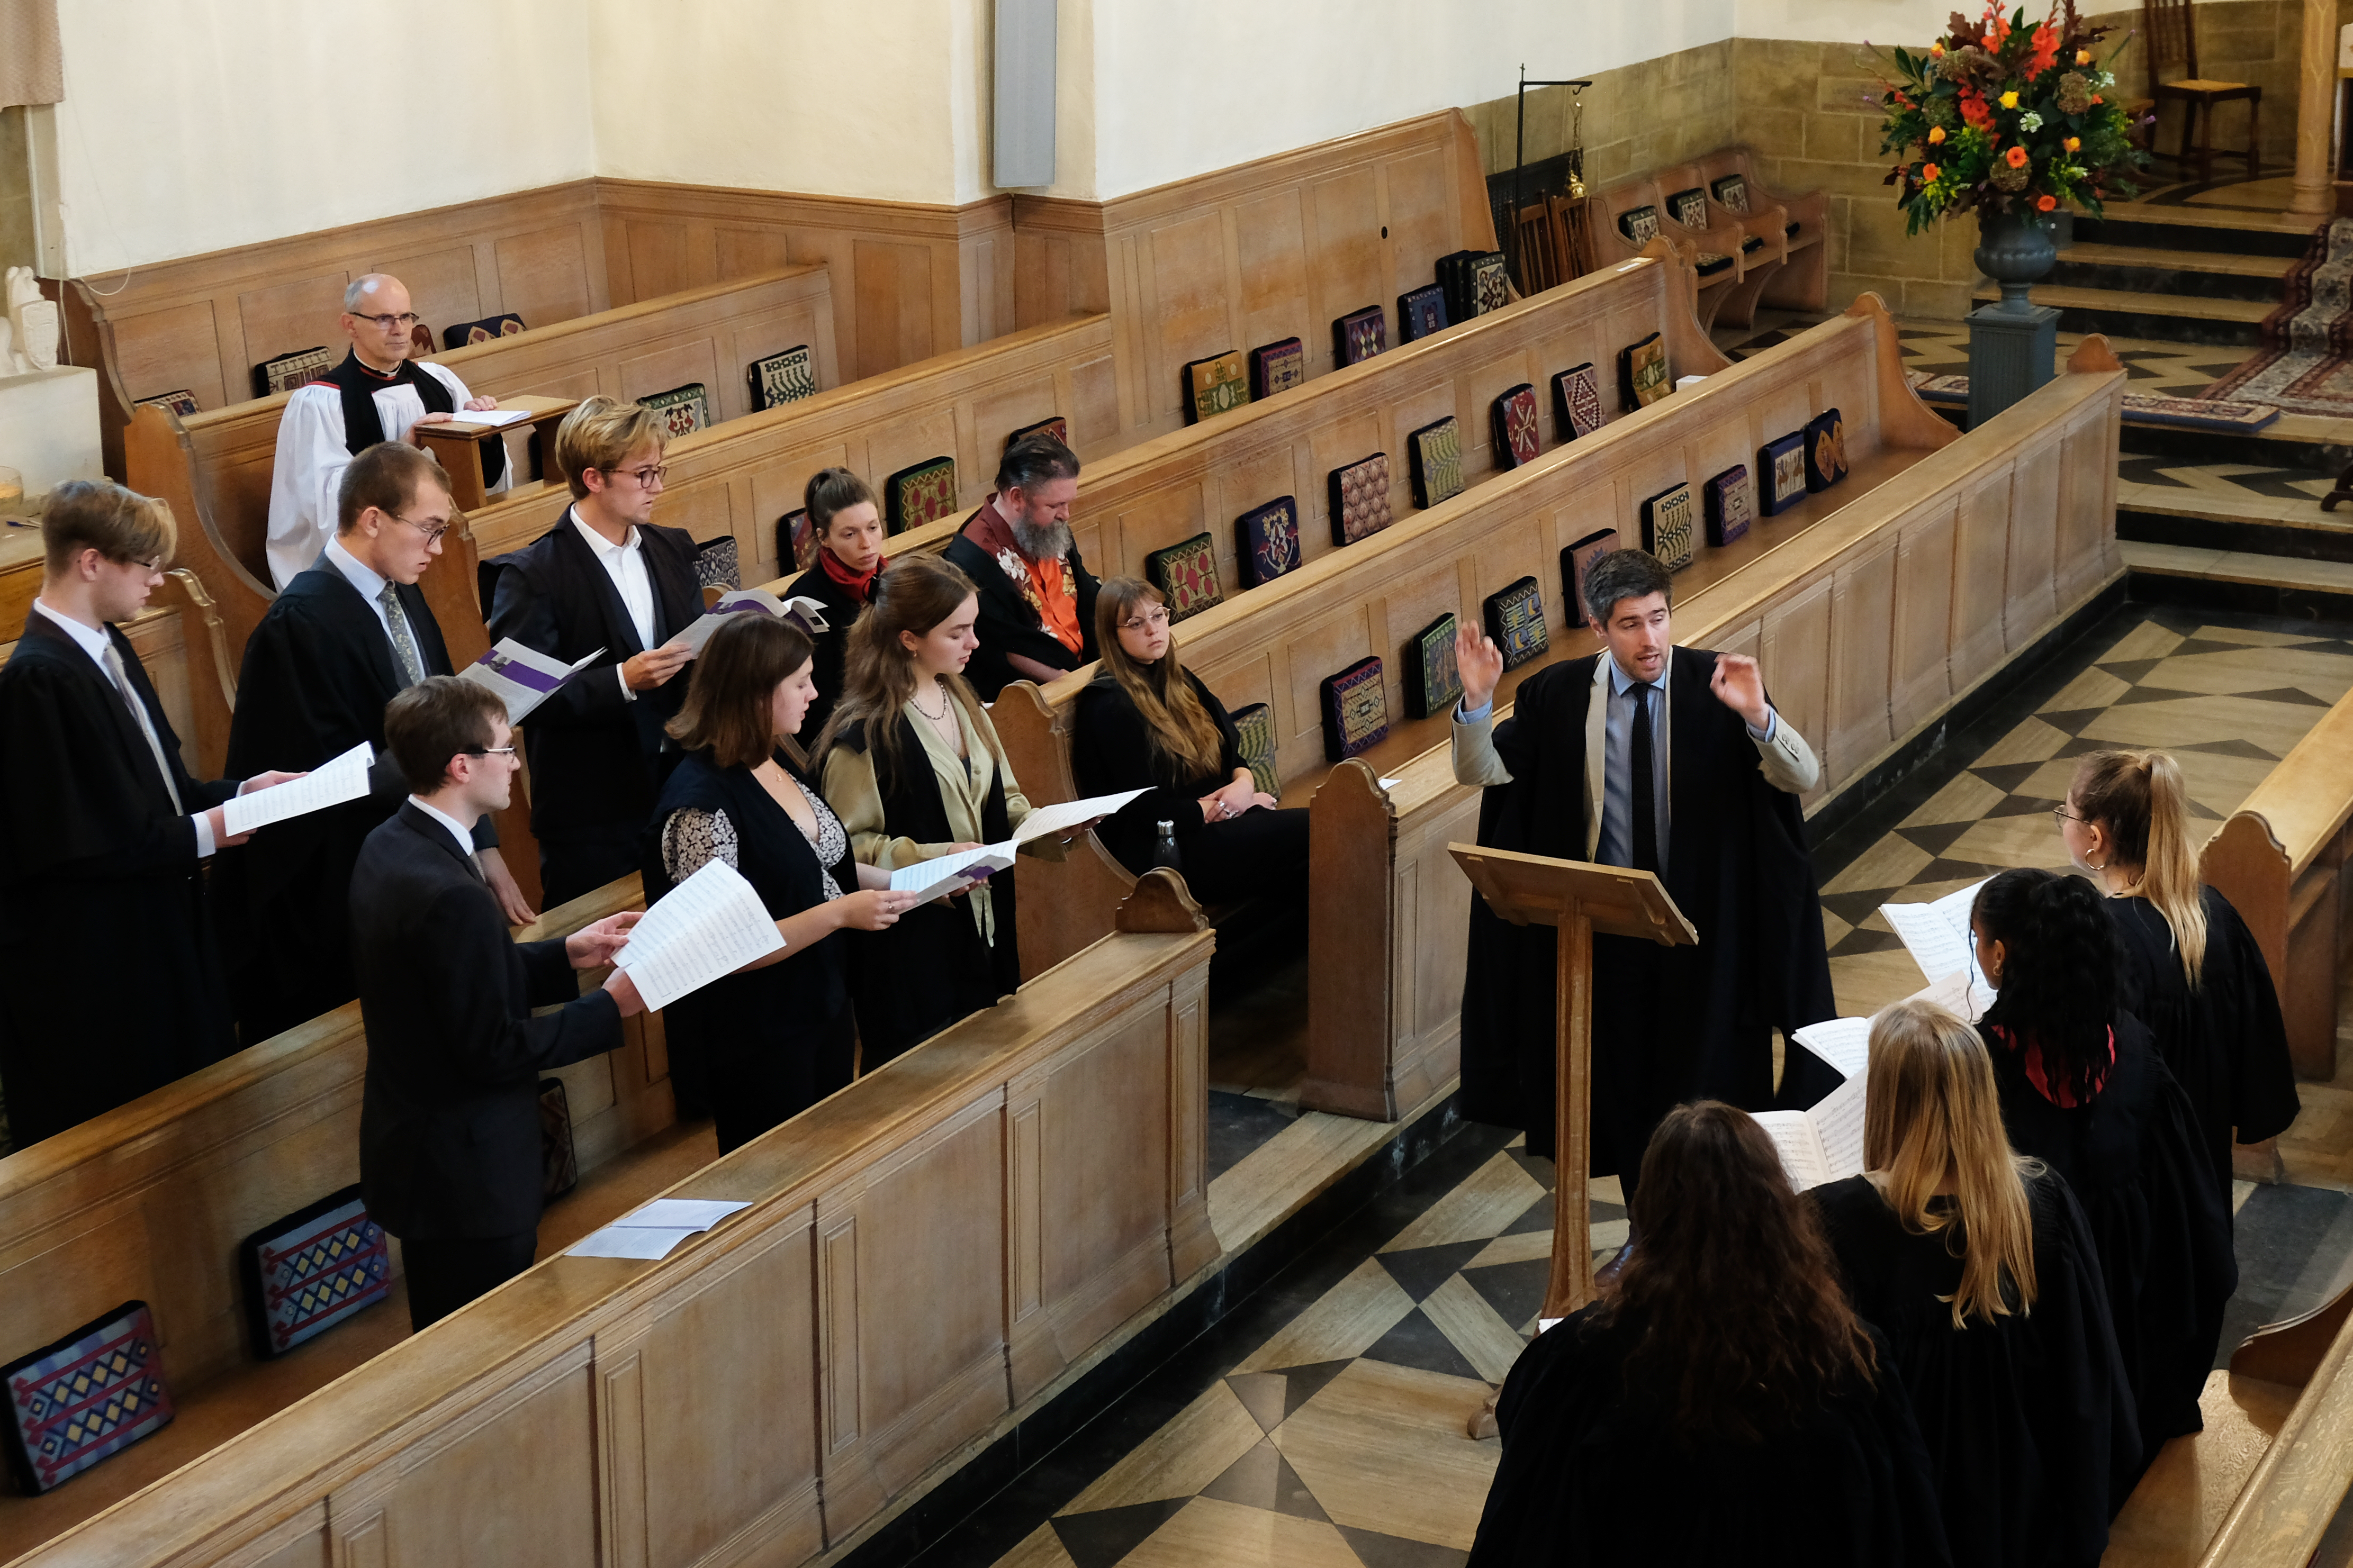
[2028, 1420]
[317, 671]
[1590, 1473]
[1668, 1023]
[2224, 1043]
[830, 660]
[2134, 1159]
[771, 1042]
[113, 986]
[364, 422]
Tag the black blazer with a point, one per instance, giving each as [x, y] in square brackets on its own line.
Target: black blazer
[597, 759]
[1008, 624]
[832, 659]
[449, 1139]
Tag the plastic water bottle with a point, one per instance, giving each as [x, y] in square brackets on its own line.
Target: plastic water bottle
[1165, 851]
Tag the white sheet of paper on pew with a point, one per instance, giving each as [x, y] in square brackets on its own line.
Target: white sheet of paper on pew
[804, 613]
[331, 783]
[522, 678]
[493, 417]
[709, 925]
[656, 1229]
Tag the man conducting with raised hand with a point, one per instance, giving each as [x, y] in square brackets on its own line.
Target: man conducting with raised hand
[1670, 760]
[377, 394]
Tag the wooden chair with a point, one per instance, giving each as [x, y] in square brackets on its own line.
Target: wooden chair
[2172, 36]
[1536, 250]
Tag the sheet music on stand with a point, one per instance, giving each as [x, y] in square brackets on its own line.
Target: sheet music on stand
[330, 784]
[711, 924]
[522, 678]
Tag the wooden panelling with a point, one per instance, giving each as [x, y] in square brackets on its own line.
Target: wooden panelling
[766, 1390]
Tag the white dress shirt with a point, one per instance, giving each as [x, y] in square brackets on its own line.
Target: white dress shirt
[465, 840]
[92, 641]
[370, 582]
[625, 563]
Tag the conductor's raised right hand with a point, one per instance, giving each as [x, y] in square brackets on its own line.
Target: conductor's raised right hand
[654, 667]
[873, 909]
[1481, 663]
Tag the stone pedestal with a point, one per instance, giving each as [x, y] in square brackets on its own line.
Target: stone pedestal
[48, 426]
[2010, 353]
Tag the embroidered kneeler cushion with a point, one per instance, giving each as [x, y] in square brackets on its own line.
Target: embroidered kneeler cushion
[1432, 681]
[1576, 400]
[290, 371]
[683, 410]
[1355, 710]
[1751, 245]
[182, 402]
[1186, 575]
[1360, 498]
[1266, 540]
[1489, 280]
[559, 1165]
[1576, 559]
[1643, 372]
[420, 341]
[1359, 335]
[1057, 428]
[1639, 224]
[1214, 385]
[1712, 262]
[924, 493]
[796, 539]
[481, 332]
[1436, 462]
[1516, 439]
[1515, 620]
[1690, 207]
[1825, 451]
[1277, 367]
[1732, 194]
[782, 378]
[1420, 312]
[77, 1399]
[316, 1268]
[1724, 501]
[1255, 739]
[1781, 473]
[718, 563]
[1667, 527]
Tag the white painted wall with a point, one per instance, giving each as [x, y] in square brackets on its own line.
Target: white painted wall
[1912, 23]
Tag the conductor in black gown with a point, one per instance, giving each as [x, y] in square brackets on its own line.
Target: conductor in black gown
[1668, 759]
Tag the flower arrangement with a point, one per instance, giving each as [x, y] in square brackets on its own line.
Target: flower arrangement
[2002, 117]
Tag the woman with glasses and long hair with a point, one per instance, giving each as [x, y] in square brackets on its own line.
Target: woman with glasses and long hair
[2083, 1091]
[1721, 1402]
[2192, 972]
[1977, 1267]
[916, 771]
[777, 1036]
[847, 523]
[1147, 723]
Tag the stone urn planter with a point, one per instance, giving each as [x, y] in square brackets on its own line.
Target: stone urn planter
[2016, 251]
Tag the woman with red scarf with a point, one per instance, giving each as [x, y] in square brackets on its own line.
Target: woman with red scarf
[2083, 1091]
[847, 524]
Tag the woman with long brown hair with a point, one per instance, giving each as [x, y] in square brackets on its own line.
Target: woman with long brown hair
[913, 765]
[1147, 723]
[847, 523]
[2192, 972]
[1978, 1268]
[2083, 1091]
[1721, 1402]
[775, 1037]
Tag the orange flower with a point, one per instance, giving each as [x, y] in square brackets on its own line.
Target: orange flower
[1975, 111]
[2044, 204]
[2073, 143]
[2016, 157]
[1928, 173]
[2097, 99]
[1935, 135]
[2082, 56]
[2046, 50]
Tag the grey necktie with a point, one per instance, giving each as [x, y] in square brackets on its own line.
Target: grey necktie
[404, 643]
[122, 679]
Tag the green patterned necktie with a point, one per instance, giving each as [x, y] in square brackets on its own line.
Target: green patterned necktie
[404, 643]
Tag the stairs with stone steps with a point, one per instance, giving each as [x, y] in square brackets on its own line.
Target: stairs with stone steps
[2176, 273]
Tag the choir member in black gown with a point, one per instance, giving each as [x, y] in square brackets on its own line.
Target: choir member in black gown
[1721, 1402]
[2083, 1091]
[1977, 1267]
[1147, 723]
[847, 523]
[2192, 972]
[777, 1036]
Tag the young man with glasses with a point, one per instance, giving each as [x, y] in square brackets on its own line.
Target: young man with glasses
[604, 577]
[104, 837]
[377, 394]
[449, 1132]
[343, 640]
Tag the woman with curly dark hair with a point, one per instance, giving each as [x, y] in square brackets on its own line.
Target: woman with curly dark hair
[1721, 1402]
[2083, 1091]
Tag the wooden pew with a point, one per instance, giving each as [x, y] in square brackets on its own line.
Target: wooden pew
[216, 468]
[906, 1285]
[1872, 605]
[2278, 860]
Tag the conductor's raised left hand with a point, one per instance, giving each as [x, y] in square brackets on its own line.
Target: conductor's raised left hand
[594, 946]
[1740, 687]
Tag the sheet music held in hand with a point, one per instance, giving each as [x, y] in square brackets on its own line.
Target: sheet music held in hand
[331, 783]
[1936, 935]
[522, 678]
[1069, 814]
[709, 925]
[1824, 1144]
[947, 874]
[1844, 1044]
[802, 611]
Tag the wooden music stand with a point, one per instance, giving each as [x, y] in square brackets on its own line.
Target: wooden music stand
[1579, 898]
[457, 442]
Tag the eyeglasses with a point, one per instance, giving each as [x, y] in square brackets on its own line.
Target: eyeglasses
[647, 477]
[1155, 616]
[2063, 815]
[403, 322]
[432, 532]
[488, 751]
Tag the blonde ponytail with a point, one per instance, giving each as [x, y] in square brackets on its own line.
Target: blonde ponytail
[2140, 799]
